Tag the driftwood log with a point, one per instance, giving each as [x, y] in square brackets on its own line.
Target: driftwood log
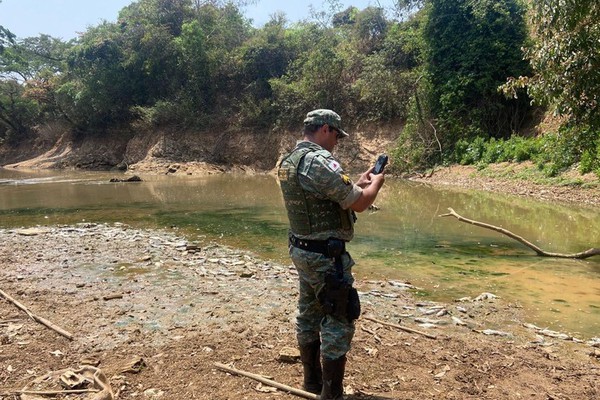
[584, 254]
[269, 382]
[36, 318]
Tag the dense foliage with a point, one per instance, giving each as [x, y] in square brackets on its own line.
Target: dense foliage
[566, 61]
[435, 69]
[471, 47]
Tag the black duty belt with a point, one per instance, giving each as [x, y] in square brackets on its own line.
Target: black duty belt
[320, 246]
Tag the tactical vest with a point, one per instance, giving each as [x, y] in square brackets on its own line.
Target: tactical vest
[308, 213]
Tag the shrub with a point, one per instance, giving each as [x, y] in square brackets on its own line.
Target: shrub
[161, 113]
[470, 152]
[480, 150]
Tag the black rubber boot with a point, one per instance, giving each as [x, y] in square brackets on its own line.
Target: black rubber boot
[333, 375]
[310, 355]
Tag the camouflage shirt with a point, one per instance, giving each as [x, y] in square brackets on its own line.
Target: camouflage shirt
[320, 173]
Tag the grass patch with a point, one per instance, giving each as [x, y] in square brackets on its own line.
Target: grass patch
[527, 171]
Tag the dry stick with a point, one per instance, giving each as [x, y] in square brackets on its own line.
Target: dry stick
[112, 296]
[584, 254]
[9, 321]
[34, 317]
[262, 379]
[403, 328]
[53, 392]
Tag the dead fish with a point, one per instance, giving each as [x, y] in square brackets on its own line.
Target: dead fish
[485, 296]
[402, 285]
[441, 313]
[594, 342]
[531, 326]
[429, 321]
[556, 335]
[494, 332]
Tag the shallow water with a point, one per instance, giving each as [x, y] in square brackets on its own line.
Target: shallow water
[406, 239]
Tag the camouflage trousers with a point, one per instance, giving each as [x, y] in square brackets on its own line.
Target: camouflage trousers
[312, 323]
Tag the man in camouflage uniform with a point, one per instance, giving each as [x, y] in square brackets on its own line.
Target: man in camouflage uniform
[321, 200]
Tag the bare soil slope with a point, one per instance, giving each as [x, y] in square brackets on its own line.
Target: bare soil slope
[174, 151]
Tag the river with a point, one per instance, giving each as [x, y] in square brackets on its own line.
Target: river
[405, 239]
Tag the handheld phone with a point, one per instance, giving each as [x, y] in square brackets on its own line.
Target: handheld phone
[382, 161]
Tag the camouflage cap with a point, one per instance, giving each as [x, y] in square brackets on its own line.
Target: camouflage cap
[324, 116]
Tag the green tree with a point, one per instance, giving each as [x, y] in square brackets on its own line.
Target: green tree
[226, 30]
[29, 69]
[565, 58]
[168, 14]
[195, 66]
[316, 78]
[27, 58]
[387, 78]
[265, 56]
[98, 89]
[370, 28]
[473, 46]
[6, 38]
[346, 17]
[17, 112]
[128, 66]
[148, 33]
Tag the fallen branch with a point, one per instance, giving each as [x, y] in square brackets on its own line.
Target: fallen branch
[36, 318]
[403, 328]
[8, 321]
[262, 379]
[54, 392]
[584, 254]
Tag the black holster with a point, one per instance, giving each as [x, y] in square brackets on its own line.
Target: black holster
[338, 297]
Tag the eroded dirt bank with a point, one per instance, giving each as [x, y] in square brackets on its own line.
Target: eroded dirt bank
[195, 152]
[154, 312]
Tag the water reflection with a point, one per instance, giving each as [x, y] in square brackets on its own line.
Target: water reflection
[405, 239]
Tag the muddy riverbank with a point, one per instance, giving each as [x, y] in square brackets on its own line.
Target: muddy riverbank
[571, 187]
[154, 312]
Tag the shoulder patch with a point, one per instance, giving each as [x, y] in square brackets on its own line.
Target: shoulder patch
[346, 179]
[283, 174]
[333, 165]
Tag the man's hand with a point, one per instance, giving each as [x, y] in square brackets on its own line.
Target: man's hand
[370, 185]
[365, 179]
[377, 180]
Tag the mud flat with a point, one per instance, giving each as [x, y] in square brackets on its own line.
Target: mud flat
[154, 312]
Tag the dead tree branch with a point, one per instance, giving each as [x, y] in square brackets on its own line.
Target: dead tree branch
[266, 381]
[402, 328]
[542, 253]
[36, 318]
